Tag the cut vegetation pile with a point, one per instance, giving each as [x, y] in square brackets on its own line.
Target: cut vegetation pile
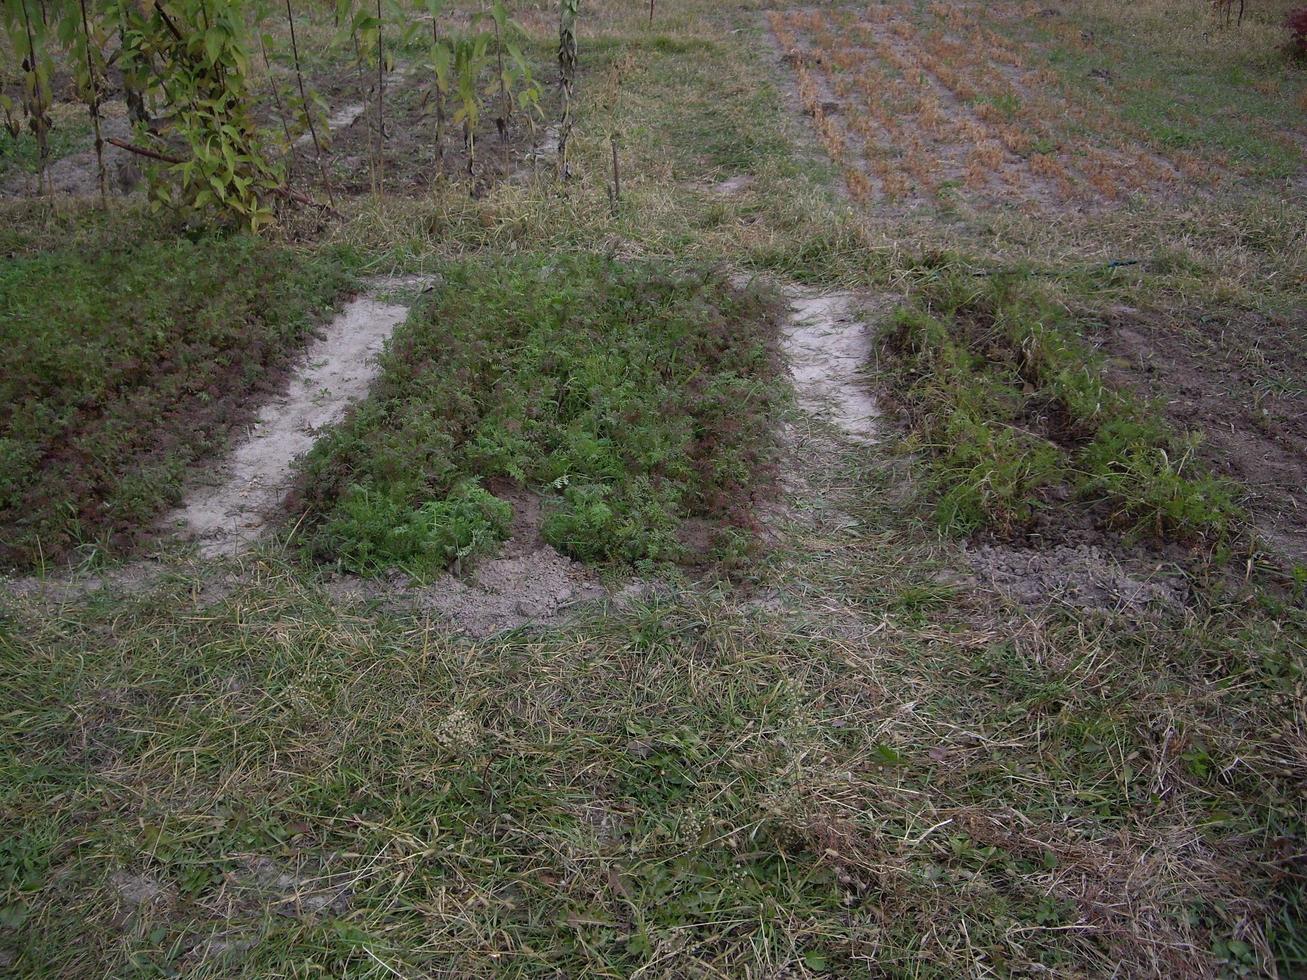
[635, 399]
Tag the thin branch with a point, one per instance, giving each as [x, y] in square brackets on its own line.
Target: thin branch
[287, 193]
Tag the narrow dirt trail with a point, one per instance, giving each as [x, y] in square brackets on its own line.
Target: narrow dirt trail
[828, 347]
[334, 373]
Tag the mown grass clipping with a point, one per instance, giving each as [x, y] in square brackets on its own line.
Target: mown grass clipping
[633, 397]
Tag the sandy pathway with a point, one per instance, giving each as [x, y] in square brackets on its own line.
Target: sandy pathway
[253, 481]
[828, 347]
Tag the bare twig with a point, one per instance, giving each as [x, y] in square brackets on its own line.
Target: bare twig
[144, 151]
[304, 101]
[93, 102]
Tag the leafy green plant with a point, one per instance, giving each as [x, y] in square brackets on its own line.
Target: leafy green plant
[29, 26]
[370, 531]
[516, 87]
[631, 398]
[201, 69]
[471, 55]
[440, 60]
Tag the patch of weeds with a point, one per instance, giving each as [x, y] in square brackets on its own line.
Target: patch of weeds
[1155, 480]
[371, 532]
[129, 357]
[631, 396]
[1011, 404]
[20, 154]
[986, 470]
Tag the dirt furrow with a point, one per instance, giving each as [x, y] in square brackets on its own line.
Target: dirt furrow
[335, 372]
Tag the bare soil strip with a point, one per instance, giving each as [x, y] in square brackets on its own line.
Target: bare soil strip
[336, 370]
[828, 345]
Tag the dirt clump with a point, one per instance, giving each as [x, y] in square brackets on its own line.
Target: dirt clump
[1082, 576]
[143, 890]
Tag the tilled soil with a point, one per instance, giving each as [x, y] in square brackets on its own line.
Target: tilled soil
[1241, 382]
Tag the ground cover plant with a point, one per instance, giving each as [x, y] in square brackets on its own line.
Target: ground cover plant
[128, 359]
[1017, 411]
[634, 398]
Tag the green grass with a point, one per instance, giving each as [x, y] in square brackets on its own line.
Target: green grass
[20, 154]
[693, 784]
[855, 760]
[128, 360]
[631, 396]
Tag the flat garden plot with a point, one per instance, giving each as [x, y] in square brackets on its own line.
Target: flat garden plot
[916, 104]
[633, 399]
[126, 362]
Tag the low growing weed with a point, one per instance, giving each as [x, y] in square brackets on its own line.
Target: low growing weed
[987, 471]
[995, 380]
[126, 360]
[632, 397]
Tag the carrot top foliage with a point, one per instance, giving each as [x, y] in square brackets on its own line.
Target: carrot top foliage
[126, 361]
[632, 398]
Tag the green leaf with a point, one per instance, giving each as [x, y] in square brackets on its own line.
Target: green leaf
[13, 916]
[887, 754]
